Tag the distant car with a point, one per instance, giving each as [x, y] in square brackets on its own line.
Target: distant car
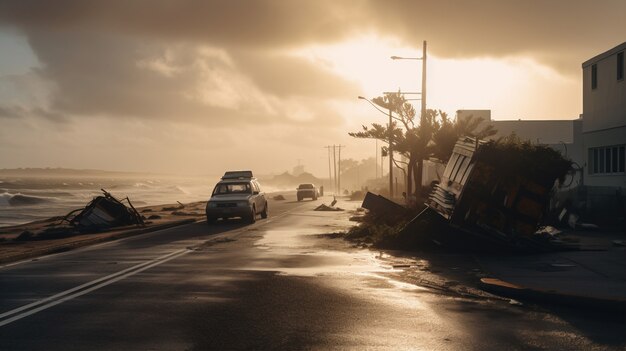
[307, 190]
[237, 194]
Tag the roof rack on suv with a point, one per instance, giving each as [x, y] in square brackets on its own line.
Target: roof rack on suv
[237, 175]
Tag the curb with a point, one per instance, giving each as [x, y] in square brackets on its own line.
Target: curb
[508, 289]
[53, 249]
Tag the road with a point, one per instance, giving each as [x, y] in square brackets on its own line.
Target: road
[277, 284]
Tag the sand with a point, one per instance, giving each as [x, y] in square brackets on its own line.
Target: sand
[47, 236]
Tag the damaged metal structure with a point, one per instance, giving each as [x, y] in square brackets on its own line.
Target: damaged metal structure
[104, 212]
[380, 205]
[498, 193]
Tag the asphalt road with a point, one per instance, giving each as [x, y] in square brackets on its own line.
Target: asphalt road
[277, 284]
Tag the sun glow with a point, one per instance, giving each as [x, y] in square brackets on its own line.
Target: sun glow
[512, 87]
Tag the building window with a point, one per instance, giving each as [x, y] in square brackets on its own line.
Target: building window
[607, 160]
[620, 65]
[594, 76]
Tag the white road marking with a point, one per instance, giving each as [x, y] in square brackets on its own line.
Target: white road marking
[85, 288]
[38, 306]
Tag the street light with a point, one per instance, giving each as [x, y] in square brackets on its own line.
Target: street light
[423, 59]
[390, 148]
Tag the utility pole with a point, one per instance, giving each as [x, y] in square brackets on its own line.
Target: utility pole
[330, 176]
[423, 82]
[390, 157]
[339, 170]
[335, 167]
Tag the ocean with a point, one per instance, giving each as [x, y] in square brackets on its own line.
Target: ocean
[25, 199]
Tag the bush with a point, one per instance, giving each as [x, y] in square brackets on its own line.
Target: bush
[378, 230]
[515, 158]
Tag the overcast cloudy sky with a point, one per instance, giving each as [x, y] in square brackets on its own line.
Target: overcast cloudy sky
[196, 87]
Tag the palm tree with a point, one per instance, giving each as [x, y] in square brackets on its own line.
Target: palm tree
[434, 135]
[447, 132]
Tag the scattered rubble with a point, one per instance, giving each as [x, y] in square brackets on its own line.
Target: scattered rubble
[324, 207]
[174, 208]
[278, 198]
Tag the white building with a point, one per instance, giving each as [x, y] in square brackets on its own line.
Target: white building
[596, 142]
[604, 115]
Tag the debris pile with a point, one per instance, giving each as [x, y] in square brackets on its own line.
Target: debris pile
[332, 207]
[324, 207]
[498, 192]
[172, 208]
[491, 196]
[379, 205]
[104, 212]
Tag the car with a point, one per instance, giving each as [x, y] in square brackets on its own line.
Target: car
[307, 190]
[237, 194]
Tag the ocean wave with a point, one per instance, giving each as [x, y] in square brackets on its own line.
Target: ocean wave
[143, 185]
[4, 199]
[8, 199]
[178, 189]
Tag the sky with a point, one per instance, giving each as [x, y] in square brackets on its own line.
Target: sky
[199, 87]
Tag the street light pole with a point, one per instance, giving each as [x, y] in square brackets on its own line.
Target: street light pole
[423, 81]
[423, 92]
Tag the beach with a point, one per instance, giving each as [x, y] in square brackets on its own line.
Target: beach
[41, 237]
[24, 199]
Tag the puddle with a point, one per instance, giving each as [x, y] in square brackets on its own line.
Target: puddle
[302, 249]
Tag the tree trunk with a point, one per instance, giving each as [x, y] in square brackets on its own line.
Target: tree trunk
[409, 178]
[418, 177]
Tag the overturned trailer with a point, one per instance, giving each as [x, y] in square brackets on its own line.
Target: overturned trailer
[498, 191]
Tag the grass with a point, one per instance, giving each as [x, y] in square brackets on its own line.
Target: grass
[380, 231]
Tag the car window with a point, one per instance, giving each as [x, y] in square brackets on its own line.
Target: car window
[232, 188]
[306, 186]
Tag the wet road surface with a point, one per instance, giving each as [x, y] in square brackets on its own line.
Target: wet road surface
[278, 284]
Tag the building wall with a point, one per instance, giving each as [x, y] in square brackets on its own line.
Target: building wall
[604, 116]
[484, 114]
[605, 138]
[605, 106]
[537, 131]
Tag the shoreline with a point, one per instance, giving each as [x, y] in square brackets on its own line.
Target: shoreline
[157, 217]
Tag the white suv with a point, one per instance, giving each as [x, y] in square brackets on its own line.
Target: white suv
[307, 190]
[238, 194]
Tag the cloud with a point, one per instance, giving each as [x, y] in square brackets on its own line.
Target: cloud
[233, 23]
[218, 64]
[228, 59]
[454, 28]
[19, 112]
[96, 73]
[559, 33]
[11, 112]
